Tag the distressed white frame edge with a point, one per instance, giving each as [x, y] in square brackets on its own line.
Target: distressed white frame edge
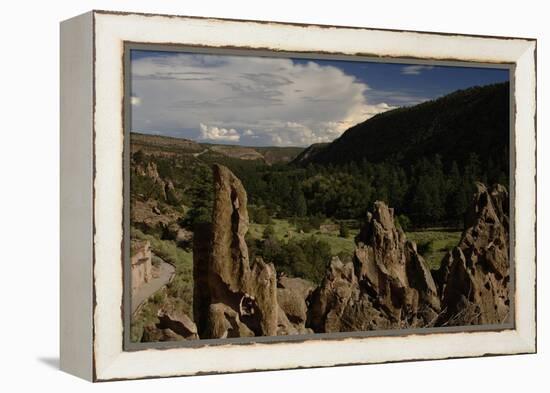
[111, 30]
[76, 205]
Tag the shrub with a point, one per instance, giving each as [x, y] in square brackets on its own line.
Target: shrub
[269, 231]
[404, 222]
[259, 215]
[156, 261]
[157, 298]
[306, 258]
[316, 221]
[344, 231]
[304, 226]
[425, 247]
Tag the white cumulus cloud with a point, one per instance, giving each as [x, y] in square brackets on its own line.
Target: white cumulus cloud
[219, 134]
[247, 100]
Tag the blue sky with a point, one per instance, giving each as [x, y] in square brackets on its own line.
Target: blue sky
[261, 101]
[419, 82]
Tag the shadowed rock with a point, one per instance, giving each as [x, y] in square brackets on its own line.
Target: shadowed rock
[474, 276]
[293, 297]
[201, 293]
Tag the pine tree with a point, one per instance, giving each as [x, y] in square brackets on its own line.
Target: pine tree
[298, 206]
[344, 231]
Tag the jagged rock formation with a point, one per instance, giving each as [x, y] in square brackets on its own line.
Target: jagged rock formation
[390, 269]
[388, 284]
[339, 305]
[232, 297]
[474, 277]
[150, 170]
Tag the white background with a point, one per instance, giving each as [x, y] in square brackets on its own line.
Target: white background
[29, 196]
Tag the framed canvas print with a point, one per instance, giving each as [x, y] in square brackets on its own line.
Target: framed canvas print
[245, 195]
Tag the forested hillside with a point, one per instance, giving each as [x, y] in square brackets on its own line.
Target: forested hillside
[422, 160]
[466, 122]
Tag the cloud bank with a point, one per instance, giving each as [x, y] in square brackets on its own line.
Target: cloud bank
[246, 100]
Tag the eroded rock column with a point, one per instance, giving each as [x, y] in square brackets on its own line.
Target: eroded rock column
[474, 277]
[232, 297]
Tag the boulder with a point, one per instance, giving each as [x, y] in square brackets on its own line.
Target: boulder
[292, 296]
[285, 327]
[224, 322]
[179, 323]
[298, 285]
[474, 276]
[151, 333]
[171, 326]
[292, 304]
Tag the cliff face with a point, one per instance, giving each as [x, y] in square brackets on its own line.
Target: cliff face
[386, 286]
[140, 262]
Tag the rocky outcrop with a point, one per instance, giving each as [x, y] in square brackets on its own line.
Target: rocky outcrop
[474, 277]
[391, 270]
[224, 322]
[339, 304]
[150, 170]
[148, 217]
[388, 285]
[232, 291]
[179, 323]
[171, 326]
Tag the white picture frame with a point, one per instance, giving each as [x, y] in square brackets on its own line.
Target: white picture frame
[92, 194]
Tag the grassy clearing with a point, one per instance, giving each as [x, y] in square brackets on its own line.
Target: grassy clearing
[434, 243]
[284, 231]
[178, 294]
